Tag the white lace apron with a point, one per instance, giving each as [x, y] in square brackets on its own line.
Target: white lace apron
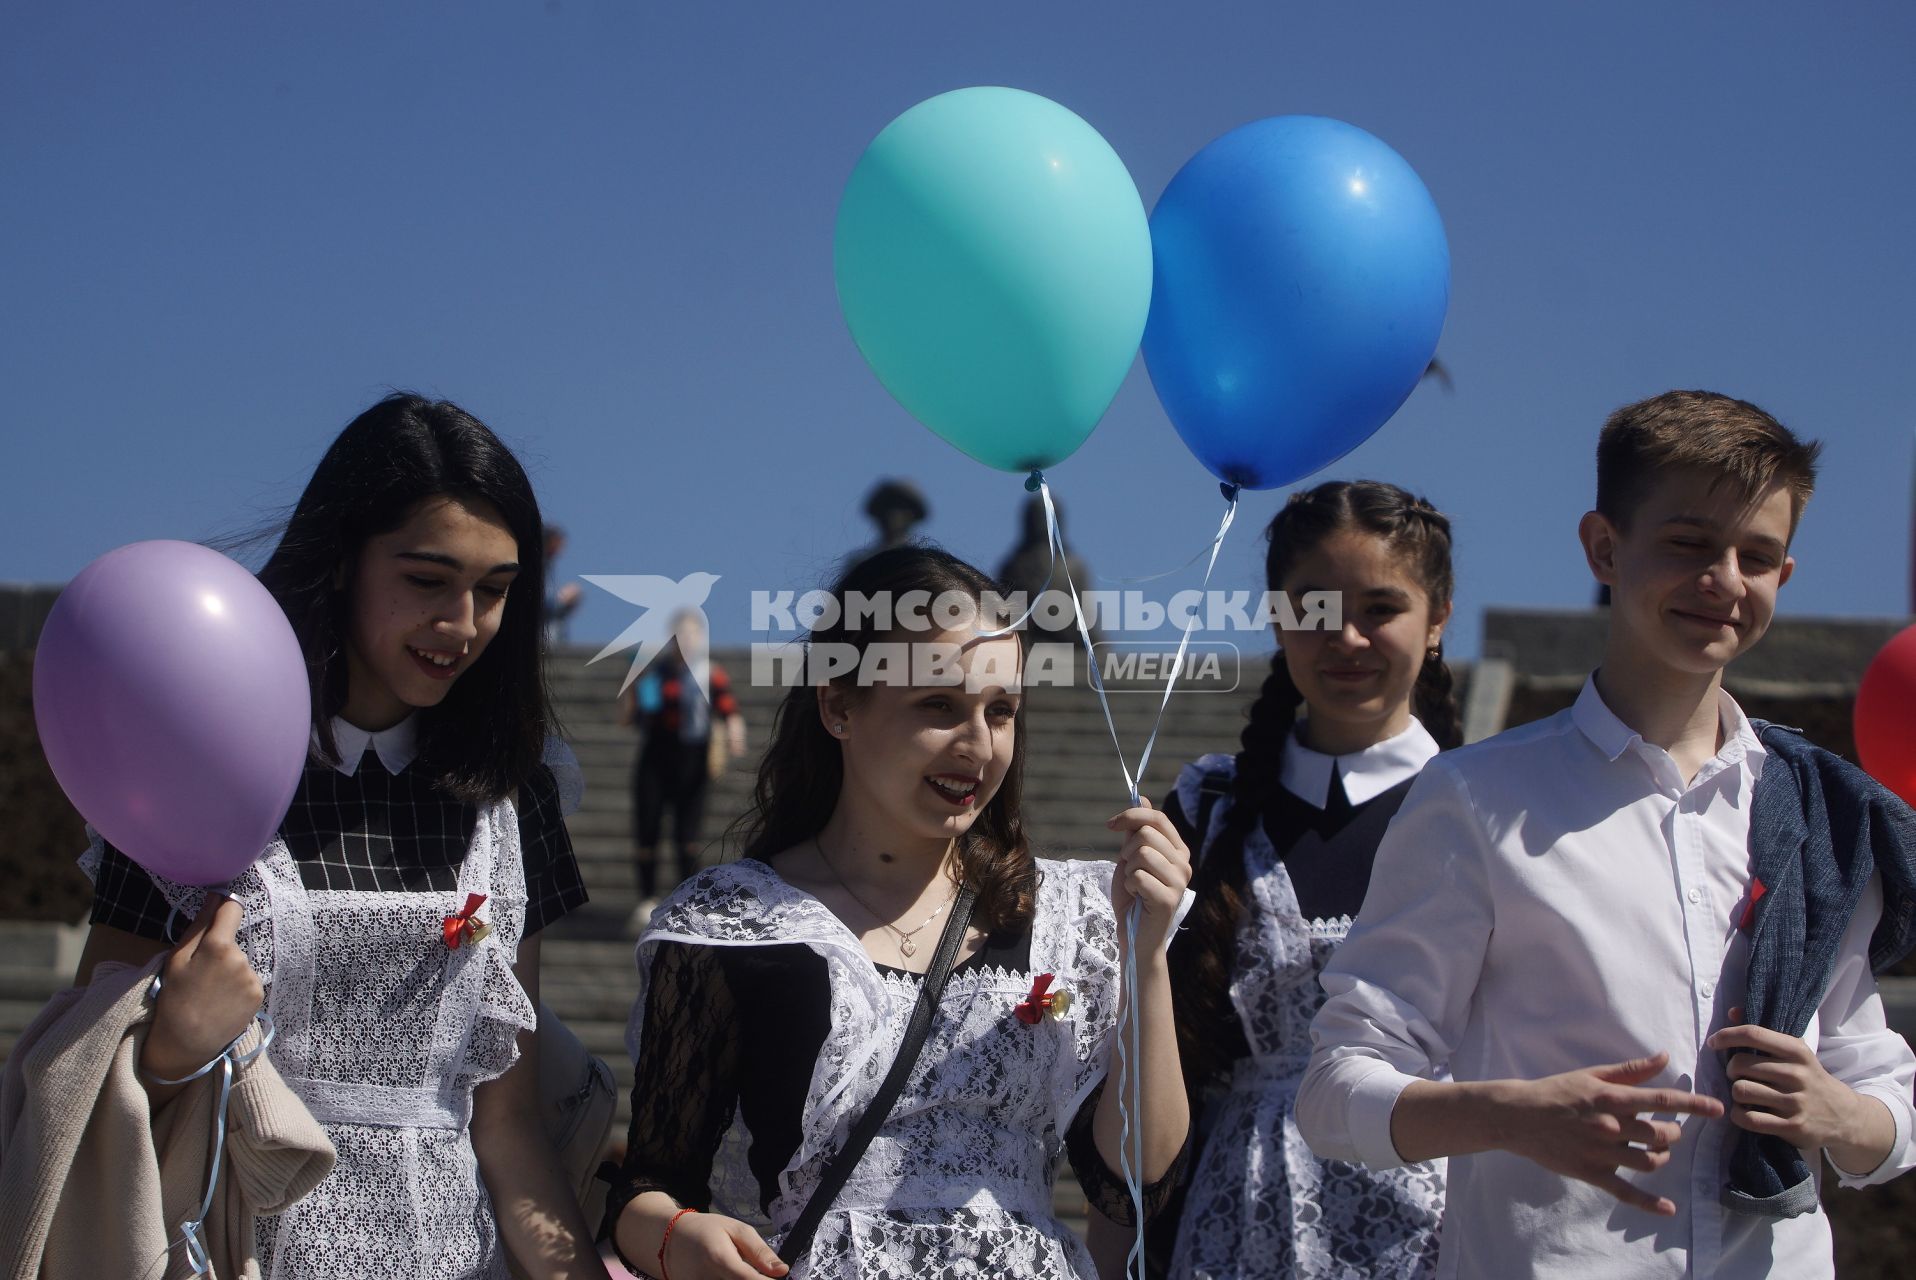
[957, 1184]
[383, 1033]
[1260, 1203]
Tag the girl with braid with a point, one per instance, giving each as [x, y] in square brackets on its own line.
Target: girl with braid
[1285, 834]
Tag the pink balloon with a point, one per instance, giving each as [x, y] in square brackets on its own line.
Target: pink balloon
[173, 705]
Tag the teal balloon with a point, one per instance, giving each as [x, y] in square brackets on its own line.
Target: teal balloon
[993, 262]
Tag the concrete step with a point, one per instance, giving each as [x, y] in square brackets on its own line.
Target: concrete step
[33, 982]
[42, 943]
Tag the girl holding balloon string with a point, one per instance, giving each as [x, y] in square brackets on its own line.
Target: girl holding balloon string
[775, 991]
[392, 927]
[1286, 831]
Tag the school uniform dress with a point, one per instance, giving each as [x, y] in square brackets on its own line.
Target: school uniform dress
[763, 1029]
[383, 1031]
[1558, 897]
[1260, 1202]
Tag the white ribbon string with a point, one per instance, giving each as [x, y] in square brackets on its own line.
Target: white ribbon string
[1059, 556]
[193, 1230]
[1131, 1099]
[1184, 641]
[1196, 556]
[1051, 570]
[1130, 1046]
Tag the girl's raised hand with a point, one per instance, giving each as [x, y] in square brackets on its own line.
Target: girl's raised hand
[208, 994]
[1154, 868]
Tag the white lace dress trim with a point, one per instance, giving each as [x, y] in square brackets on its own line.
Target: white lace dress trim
[384, 1033]
[957, 1184]
[1260, 1203]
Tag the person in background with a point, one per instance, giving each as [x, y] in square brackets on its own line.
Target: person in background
[679, 752]
[564, 598]
[1030, 569]
[896, 507]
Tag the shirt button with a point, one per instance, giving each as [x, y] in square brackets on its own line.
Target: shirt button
[1696, 895]
[1708, 989]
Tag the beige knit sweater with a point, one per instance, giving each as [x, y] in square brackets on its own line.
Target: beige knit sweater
[93, 1183]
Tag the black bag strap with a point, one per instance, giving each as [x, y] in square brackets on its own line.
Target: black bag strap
[839, 1169]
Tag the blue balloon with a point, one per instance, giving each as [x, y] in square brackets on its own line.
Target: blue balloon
[1300, 281]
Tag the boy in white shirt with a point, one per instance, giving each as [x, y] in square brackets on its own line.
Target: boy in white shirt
[1558, 918]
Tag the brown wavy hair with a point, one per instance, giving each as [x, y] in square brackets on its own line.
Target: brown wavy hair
[803, 767]
[1731, 440]
[1203, 954]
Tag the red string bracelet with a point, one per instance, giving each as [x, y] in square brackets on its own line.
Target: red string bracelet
[667, 1239]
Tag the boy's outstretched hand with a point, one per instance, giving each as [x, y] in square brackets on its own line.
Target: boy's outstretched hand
[1588, 1124]
[1779, 1088]
[1585, 1124]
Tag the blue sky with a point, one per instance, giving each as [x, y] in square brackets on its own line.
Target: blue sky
[606, 229]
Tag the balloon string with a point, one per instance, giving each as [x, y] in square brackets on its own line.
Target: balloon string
[1131, 1096]
[1050, 570]
[1230, 494]
[1060, 557]
[1130, 1048]
[1184, 641]
[230, 1059]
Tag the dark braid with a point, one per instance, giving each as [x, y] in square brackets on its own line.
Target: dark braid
[1435, 699]
[1203, 954]
[1204, 951]
[1434, 696]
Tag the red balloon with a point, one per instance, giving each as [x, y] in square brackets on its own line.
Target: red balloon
[1886, 716]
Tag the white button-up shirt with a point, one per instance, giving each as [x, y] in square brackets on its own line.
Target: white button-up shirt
[1557, 897]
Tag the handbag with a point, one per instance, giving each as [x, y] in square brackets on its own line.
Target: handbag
[832, 1180]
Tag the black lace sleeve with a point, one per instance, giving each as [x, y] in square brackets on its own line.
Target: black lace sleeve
[685, 1084]
[1104, 1188]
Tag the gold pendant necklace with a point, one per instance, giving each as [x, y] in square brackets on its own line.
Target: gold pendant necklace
[906, 946]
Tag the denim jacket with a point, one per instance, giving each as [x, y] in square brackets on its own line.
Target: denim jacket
[1819, 828]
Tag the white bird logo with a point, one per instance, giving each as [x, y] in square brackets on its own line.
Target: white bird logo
[661, 600]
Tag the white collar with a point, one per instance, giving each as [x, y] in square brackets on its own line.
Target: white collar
[397, 746]
[1367, 774]
[1610, 735]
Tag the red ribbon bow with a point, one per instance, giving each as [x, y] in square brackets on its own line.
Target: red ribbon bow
[1042, 1000]
[466, 927]
[1757, 890]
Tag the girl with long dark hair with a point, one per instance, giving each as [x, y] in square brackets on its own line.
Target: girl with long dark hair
[411, 571]
[775, 991]
[1286, 831]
